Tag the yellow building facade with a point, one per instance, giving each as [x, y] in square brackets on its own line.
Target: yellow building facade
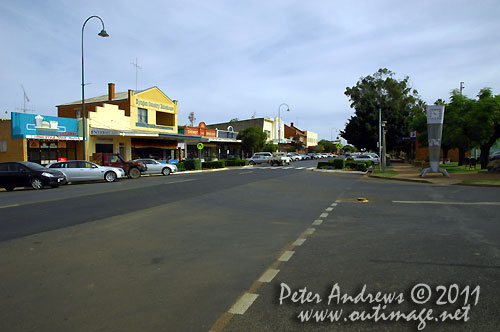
[134, 123]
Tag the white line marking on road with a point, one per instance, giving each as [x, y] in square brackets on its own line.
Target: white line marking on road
[240, 307]
[286, 256]
[337, 201]
[269, 275]
[246, 172]
[299, 167]
[317, 222]
[329, 209]
[299, 242]
[287, 167]
[309, 231]
[180, 181]
[323, 215]
[334, 204]
[447, 203]
[311, 168]
[8, 206]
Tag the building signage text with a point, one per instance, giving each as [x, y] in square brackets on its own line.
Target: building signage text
[150, 104]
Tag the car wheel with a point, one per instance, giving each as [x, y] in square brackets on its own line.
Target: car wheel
[165, 171]
[252, 162]
[36, 183]
[134, 173]
[9, 188]
[110, 176]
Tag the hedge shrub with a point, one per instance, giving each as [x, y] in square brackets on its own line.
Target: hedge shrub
[180, 166]
[361, 167]
[323, 164]
[214, 164]
[236, 162]
[192, 164]
[338, 163]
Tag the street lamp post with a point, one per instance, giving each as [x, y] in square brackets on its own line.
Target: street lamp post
[279, 123]
[103, 33]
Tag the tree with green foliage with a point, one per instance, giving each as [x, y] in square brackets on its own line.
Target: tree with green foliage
[467, 123]
[297, 144]
[252, 139]
[349, 148]
[398, 101]
[328, 146]
[486, 123]
[270, 147]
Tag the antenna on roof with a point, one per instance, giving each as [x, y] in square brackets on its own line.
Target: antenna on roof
[137, 67]
[25, 99]
[192, 118]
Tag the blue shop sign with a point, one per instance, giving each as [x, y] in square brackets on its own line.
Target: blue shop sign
[44, 127]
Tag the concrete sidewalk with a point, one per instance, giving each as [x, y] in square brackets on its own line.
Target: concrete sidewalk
[408, 172]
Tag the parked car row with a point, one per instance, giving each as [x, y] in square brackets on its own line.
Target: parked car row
[282, 158]
[28, 174]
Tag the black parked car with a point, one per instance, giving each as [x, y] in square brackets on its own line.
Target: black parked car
[27, 174]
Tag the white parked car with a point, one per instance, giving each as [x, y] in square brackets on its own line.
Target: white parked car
[260, 158]
[363, 157]
[81, 170]
[155, 167]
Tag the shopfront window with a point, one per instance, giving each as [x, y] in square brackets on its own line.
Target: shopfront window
[142, 115]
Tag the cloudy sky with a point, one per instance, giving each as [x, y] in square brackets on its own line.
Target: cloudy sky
[227, 59]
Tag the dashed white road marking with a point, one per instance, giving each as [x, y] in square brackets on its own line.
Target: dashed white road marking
[8, 206]
[317, 222]
[286, 256]
[269, 275]
[447, 203]
[337, 201]
[240, 307]
[299, 242]
[323, 215]
[299, 167]
[329, 209]
[334, 204]
[309, 231]
[311, 168]
[246, 172]
[180, 181]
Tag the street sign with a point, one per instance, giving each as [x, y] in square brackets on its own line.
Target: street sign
[199, 146]
[339, 145]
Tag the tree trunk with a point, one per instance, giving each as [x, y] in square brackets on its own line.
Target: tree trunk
[485, 148]
[445, 154]
[461, 156]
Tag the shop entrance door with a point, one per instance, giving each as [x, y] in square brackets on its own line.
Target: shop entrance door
[104, 148]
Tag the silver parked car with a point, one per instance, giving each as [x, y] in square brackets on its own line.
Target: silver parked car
[81, 170]
[260, 158]
[155, 167]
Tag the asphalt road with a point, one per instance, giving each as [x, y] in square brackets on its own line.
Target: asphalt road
[214, 251]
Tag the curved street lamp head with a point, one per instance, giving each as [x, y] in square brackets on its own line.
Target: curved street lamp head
[103, 33]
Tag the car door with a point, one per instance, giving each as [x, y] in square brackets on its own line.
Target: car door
[149, 165]
[19, 175]
[72, 171]
[91, 171]
[5, 179]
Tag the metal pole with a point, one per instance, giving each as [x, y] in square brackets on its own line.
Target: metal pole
[380, 132]
[84, 124]
[279, 123]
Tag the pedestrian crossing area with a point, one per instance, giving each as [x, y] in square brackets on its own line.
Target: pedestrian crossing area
[283, 167]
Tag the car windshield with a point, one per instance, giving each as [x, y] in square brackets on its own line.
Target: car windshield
[33, 166]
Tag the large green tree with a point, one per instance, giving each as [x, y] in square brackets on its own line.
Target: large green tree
[252, 139]
[467, 123]
[398, 102]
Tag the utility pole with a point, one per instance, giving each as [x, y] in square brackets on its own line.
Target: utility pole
[461, 87]
[384, 150]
